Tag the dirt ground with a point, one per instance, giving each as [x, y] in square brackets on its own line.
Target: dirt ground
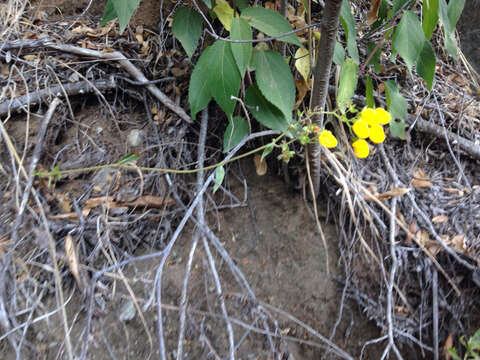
[275, 243]
[272, 238]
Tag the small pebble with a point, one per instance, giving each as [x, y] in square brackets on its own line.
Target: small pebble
[127, 311]
[134, 137]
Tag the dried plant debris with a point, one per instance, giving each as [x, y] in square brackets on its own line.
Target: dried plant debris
[408, 218]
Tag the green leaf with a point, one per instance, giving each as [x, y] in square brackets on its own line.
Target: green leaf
[408, 39]
[454, 11]
[128, 159]
[369, 93]
[109, 14]
[397, 4]
[242, 52]
[263, 111]
[338, 54]
[241, 4]
[410, 42]
[348, 24]
[198, 92]
[208, 3]
[430, 17]
[275, 80]
[224, 13]
[397, 106]
[125, 10]
[426, 64]
[375, 60]
[443, 13]
[270, 22]
[187, 27]
[219, 176]
[348, 83]
[56, 173]
[237, 129]
[223, 76]
[268, 149]
[449, 15]
[454, 354]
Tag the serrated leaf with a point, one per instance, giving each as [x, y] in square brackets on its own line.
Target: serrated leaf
[187, 27]
[219, 176]
[109, 14]
[242, 52]
[338, 54]
[369, 93]
[223, 76]
[426, 64]
[270, 22]
[348, 84]
[198, 92]
[224, 13]
[408, 39]
[263, 111]
[302, 62]
[397, 106]
[125, 10]
[275, 80]
[430, 17]
[348, 24]
[236, 130]
[128, 159]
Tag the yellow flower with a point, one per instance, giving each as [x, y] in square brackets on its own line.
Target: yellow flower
[377, 135]
[369, 115]
[327, 139]
[361, 129]
[383, 116]
[361, 149]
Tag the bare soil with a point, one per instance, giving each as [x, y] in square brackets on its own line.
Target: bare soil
[273, 239]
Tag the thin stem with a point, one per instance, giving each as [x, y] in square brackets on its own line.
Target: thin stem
[172, 171]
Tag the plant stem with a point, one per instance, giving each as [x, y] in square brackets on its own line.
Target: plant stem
[188, 171]
[321, 78]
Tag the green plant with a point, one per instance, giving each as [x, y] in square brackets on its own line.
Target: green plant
[472, 348]
[395, 31]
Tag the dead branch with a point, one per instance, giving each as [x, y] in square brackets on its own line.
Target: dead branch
[36, 97]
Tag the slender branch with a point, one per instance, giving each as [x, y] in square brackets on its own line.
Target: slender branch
[162, 170]
[265, 39]
[37, 152]
[162, 253]
[201, 219]
[321, 78]
[33, 98]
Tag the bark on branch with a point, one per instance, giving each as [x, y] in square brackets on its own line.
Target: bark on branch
[321, 78]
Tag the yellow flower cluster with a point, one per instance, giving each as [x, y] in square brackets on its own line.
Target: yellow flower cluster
[369, 125]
